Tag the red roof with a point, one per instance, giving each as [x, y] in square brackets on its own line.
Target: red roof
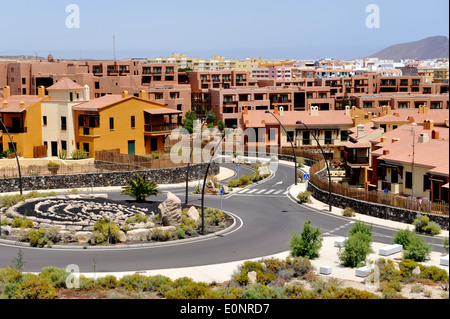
[64, 84]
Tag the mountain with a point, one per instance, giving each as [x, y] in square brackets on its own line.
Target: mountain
[429, 48]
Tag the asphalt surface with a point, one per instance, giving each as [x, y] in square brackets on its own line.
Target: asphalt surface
[266, 218]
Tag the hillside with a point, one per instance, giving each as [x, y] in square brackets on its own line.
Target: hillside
[429, 48]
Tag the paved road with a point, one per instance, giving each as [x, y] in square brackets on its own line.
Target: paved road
[266, 219]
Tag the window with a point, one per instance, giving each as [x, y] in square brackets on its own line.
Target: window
[64, 145]
[63, 123]
[44, 120]
[426, 183]
[24, 80]
[290, 136]
[344, 135]
[111, 123]
[133, 121]
[408, 180]
[306, 138]
[97, 85]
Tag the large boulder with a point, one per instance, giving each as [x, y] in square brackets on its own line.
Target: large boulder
[170, 210]
[137, 234]
[193, 213]
[211, 188]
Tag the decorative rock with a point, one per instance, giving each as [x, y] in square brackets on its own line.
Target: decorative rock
[364, 271]
[6, 230]
[83, 236]
[416, 271]
[193, 213]
[68, 236]
[210, 188]
[252, 277]
[444, 261]
[390, 250]
[137, 234]
[170, 210]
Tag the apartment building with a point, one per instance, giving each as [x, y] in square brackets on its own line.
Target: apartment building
[135, 125]
[405, 162]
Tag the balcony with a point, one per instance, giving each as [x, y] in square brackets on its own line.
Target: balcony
[353, 160]
[16, 129]
[149, 128]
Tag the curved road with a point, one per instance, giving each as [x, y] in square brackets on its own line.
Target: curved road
[266, 220]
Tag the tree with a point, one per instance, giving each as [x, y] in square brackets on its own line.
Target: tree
[308, 244]
[139, 188]
[221, 125]
[188, 122]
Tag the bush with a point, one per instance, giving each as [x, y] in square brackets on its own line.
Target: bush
[299, 266]
[57, 276]
[308, 244]
[433, 228]
[244, 180]
[352, 293]
[23, 223]
[234, 183]
[78, 154]
[38, 237]
[355, 251]
[421, 222]
[34, 287]
[360, 227]
[107, 282]
[417, 250]
[348, 212]
[304, 197]
[260, 291]
[189, 290]
[403, 237]
[103, 230]
[135, 282]
[158, 283]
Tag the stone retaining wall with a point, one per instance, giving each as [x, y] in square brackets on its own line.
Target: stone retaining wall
[373, 209]
[104, 179]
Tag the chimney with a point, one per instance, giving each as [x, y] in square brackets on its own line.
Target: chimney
[383, 139]
[395, 139]
[41, 92]
[423, 138]
[124, 94]
[428, 125]
[245, 110]
[143, 94]
[6, 92]
[347, 110]
[314, 111]
[386, 152]
[435, 135]
[275, 109]
[5, 104]
[281, 111]
[22, 104]
[87, 94]
[360, 131]
[411, 119]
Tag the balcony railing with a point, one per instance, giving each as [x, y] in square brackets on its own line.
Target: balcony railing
[17, 129]
[160, 128]
[358, 160]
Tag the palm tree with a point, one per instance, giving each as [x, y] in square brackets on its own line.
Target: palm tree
[139, 188]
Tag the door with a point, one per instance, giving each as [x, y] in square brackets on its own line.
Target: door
[54, 148]
[154, 144]
[131, 147]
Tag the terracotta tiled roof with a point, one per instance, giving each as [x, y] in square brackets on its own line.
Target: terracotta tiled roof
[98, 103]
[14, 103]
[64, 84]
[289, 118]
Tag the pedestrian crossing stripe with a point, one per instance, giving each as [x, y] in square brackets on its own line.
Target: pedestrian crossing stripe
[263, 192]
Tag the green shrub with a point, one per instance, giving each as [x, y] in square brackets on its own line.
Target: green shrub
[104, 229]
[434, 273]
[308, 244]
[78, 154]
[38, 237]
[299, 266]
[260, 291]
[158, 283]
[348, 212]
[57, 276]
[352, 293]
[23, 223]
[234, 183]
[304, 197]
[403, 237]
[360, 227]
[433, 228]
[140, 188]
[417, 249]
[244, 180]
[421, 222]
[85, 283]
[137, 218]
[107, 282]
[135, 282]
[355, 250]
[35, 288]
[190, 290]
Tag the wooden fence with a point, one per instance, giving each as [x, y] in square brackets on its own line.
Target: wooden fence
[377, 197]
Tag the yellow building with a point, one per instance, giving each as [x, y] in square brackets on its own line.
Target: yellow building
[440, 75]
[132, 124]
[21, 114]
[427, 72]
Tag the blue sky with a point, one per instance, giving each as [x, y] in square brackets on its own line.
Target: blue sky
[232, 28]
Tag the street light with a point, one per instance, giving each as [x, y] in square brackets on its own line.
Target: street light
[292, 145]
[326, 162]
[15, 152]
[208, 117]
[204, 179]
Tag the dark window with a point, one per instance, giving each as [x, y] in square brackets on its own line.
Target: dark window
[426, 183]
[44, 120]
[64, 145]
[408, 180]
[133, 121]
[97, 85]
[111, 123]
[306, 138]
[63, 123]
[86, 147]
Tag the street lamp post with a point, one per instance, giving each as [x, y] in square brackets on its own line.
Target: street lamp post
[204, 180]
[292, 145]
[326, 162]
[209, 116]
[15, 152]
